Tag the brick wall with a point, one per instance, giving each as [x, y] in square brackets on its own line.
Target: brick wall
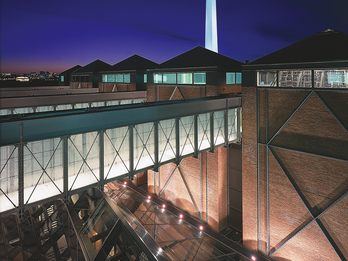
[206, 179]
[310, 151]
[116, 87]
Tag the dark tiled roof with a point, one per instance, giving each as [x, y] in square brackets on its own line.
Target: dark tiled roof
[200, 57]
[328, 45]
[72, 69]
[93, 67]
[135, 62]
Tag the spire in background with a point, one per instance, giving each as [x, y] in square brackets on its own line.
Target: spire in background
[211, 26]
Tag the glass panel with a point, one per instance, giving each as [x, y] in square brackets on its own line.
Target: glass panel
[219, 123]
[139, 100]
[144, 148]
[157, 78]
[64, 107]
[238, 78]
[97, 104]
[186, 132]
[8, 177]
[44, 108]
[5, 112]
[266, 78]
[230, 78]
[169, 78]
[83, 159]
[199, 78]
[184, 78]
[119, 77]
[81, 105]
[331, 78]
[127, 78]
[116, 152]
[203, 131]
[232, 124]
[23, 110]
[145, 78]
[62, 78]
[112, 103]
[166, 140]
[43, 169]
[295, 78]
[111, 78]
[105, 78]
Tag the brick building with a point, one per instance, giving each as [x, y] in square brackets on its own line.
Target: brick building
[127, 75]
[295, 150]
[64, 77]
[198, 72]
[88, 75]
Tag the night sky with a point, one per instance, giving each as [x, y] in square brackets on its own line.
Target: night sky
[53, 36]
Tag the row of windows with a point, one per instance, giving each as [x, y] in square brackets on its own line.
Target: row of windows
[179, 78]
[303, 78]
[80, 78]
[122, 78]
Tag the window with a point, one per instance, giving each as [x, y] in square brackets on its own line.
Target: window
[111, 78]
[169, 78]
[230, 78]
[145, 78]
[119, 77]
[62, 78]
[127, 78]
[105, 78]
[295, 78]
[199, 78]
[184, 78]
[238, 78]
[266, 78]
[331, 78]
[157, 78]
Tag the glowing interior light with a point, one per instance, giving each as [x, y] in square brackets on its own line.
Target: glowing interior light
[200, 228]
[124, 183]
[181, 216]
[149, 197]
[164, 206]
[253, 258]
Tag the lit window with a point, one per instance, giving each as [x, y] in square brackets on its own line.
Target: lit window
[111, 78]
[62, 78]
[230, 78]
[119, 77]
[199, 78]
[238, 78]
[169, 78]
[266, 78]
[185, 78]
[145, 78]
[157, 78]
[105, 78]
[127, 78]
[295, 78]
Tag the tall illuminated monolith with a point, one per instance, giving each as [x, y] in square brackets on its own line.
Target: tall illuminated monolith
[211, 26]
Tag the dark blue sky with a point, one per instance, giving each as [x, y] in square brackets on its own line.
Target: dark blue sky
[56, 35]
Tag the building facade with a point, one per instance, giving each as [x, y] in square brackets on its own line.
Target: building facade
[295, 156]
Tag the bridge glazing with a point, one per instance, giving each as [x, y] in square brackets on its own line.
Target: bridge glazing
[58, 155]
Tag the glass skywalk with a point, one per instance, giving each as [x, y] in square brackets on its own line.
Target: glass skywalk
[55, 155]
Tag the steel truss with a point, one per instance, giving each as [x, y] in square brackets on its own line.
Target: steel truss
[270, 149]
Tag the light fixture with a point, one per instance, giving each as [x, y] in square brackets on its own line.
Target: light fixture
[149, 197]
[201, 228]
[125, 183]
[181, 216]
[253, 258]
[164, 206]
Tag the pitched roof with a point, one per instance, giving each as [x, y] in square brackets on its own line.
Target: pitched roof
[327, 45]
[92, 67]
[200, 57]
[134, 62]
[72, 69]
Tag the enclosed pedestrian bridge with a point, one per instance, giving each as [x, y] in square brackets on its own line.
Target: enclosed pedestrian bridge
[57, 154]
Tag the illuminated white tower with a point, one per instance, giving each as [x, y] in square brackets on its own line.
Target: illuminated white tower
[211, 26]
